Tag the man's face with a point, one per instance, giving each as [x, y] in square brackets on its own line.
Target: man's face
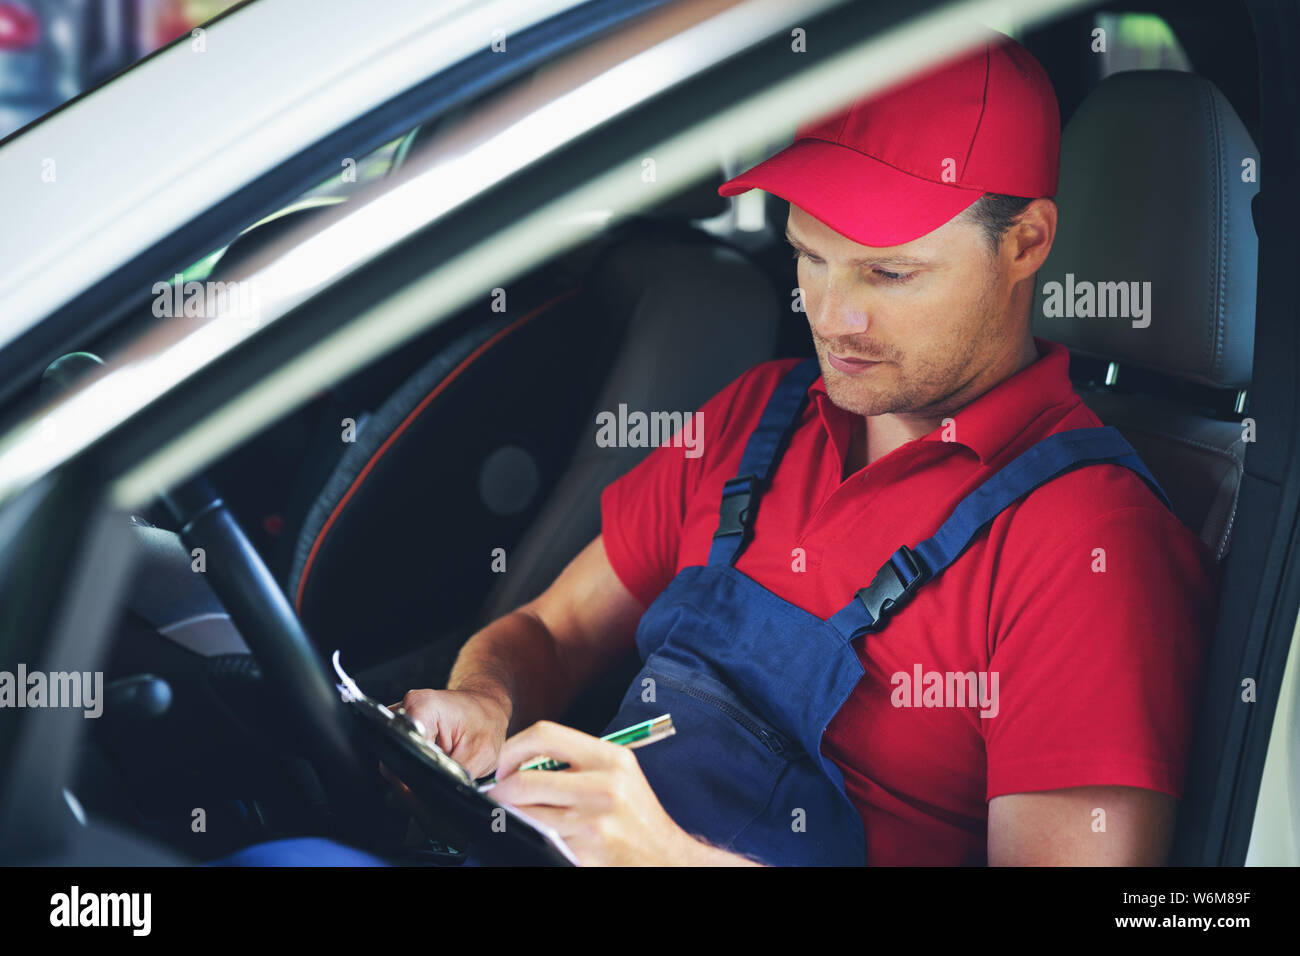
[933, 313]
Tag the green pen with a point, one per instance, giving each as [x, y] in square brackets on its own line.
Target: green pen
[638, 735]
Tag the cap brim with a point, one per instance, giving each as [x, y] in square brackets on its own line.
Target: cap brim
[861, 198]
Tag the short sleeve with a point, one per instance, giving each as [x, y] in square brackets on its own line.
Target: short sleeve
[1099, 657]
[643, 512]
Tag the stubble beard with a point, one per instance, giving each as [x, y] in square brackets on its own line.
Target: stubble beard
[916, 383]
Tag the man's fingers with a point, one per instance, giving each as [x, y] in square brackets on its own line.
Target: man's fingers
[527, 789]
[578, 750]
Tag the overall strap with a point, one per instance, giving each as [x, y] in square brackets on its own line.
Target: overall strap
[908, 569]
[762, 452]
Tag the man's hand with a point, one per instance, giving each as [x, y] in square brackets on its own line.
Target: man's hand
[469, 726]
[602, 805]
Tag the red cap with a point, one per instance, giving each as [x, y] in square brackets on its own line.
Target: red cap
[900, 164]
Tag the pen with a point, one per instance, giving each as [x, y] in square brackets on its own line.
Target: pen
[638, 735]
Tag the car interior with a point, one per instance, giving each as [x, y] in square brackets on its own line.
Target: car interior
[381, 505]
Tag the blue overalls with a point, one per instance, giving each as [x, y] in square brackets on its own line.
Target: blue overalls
[752, 681]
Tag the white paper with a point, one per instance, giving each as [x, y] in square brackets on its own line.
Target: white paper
[551, 837]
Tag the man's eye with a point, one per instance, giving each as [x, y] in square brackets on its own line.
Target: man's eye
[894, 276]
[800, 254]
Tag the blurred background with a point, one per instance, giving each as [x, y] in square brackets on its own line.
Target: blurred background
[51, 50]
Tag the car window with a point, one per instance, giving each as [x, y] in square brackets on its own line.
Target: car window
[352, 175]
[1137, 41]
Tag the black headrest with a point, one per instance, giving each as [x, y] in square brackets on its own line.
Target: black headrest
[1157, 178]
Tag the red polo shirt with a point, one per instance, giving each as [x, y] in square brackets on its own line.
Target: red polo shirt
[1088, 599]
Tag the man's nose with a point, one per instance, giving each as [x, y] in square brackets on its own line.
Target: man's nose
[838, 312]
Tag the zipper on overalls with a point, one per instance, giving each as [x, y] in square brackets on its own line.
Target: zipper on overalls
[739, 716]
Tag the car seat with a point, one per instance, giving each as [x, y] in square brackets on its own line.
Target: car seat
[492, 439]
[1157, 186]
[1152, 190]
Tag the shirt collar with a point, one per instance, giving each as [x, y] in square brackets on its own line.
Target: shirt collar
[989, 423]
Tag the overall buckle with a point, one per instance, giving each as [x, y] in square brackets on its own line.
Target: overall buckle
[893, 586]
[733, 515]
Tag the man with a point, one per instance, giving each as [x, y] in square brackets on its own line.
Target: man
[1015, 686]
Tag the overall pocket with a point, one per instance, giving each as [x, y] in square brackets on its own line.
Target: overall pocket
[669, 673]
[717, 773]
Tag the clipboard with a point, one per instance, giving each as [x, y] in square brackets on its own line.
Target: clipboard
[499, 835]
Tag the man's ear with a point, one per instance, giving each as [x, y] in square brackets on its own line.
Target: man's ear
[1030, 239]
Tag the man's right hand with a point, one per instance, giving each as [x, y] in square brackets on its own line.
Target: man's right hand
[529, 664]
[468, 726]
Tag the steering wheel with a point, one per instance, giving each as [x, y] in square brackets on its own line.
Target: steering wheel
[265, 619]
[344, 740]
[343, 749]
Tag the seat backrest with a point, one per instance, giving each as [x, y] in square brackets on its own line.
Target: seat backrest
[448, 467]
[494, 437]
[1153, 269]
[697, 318]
